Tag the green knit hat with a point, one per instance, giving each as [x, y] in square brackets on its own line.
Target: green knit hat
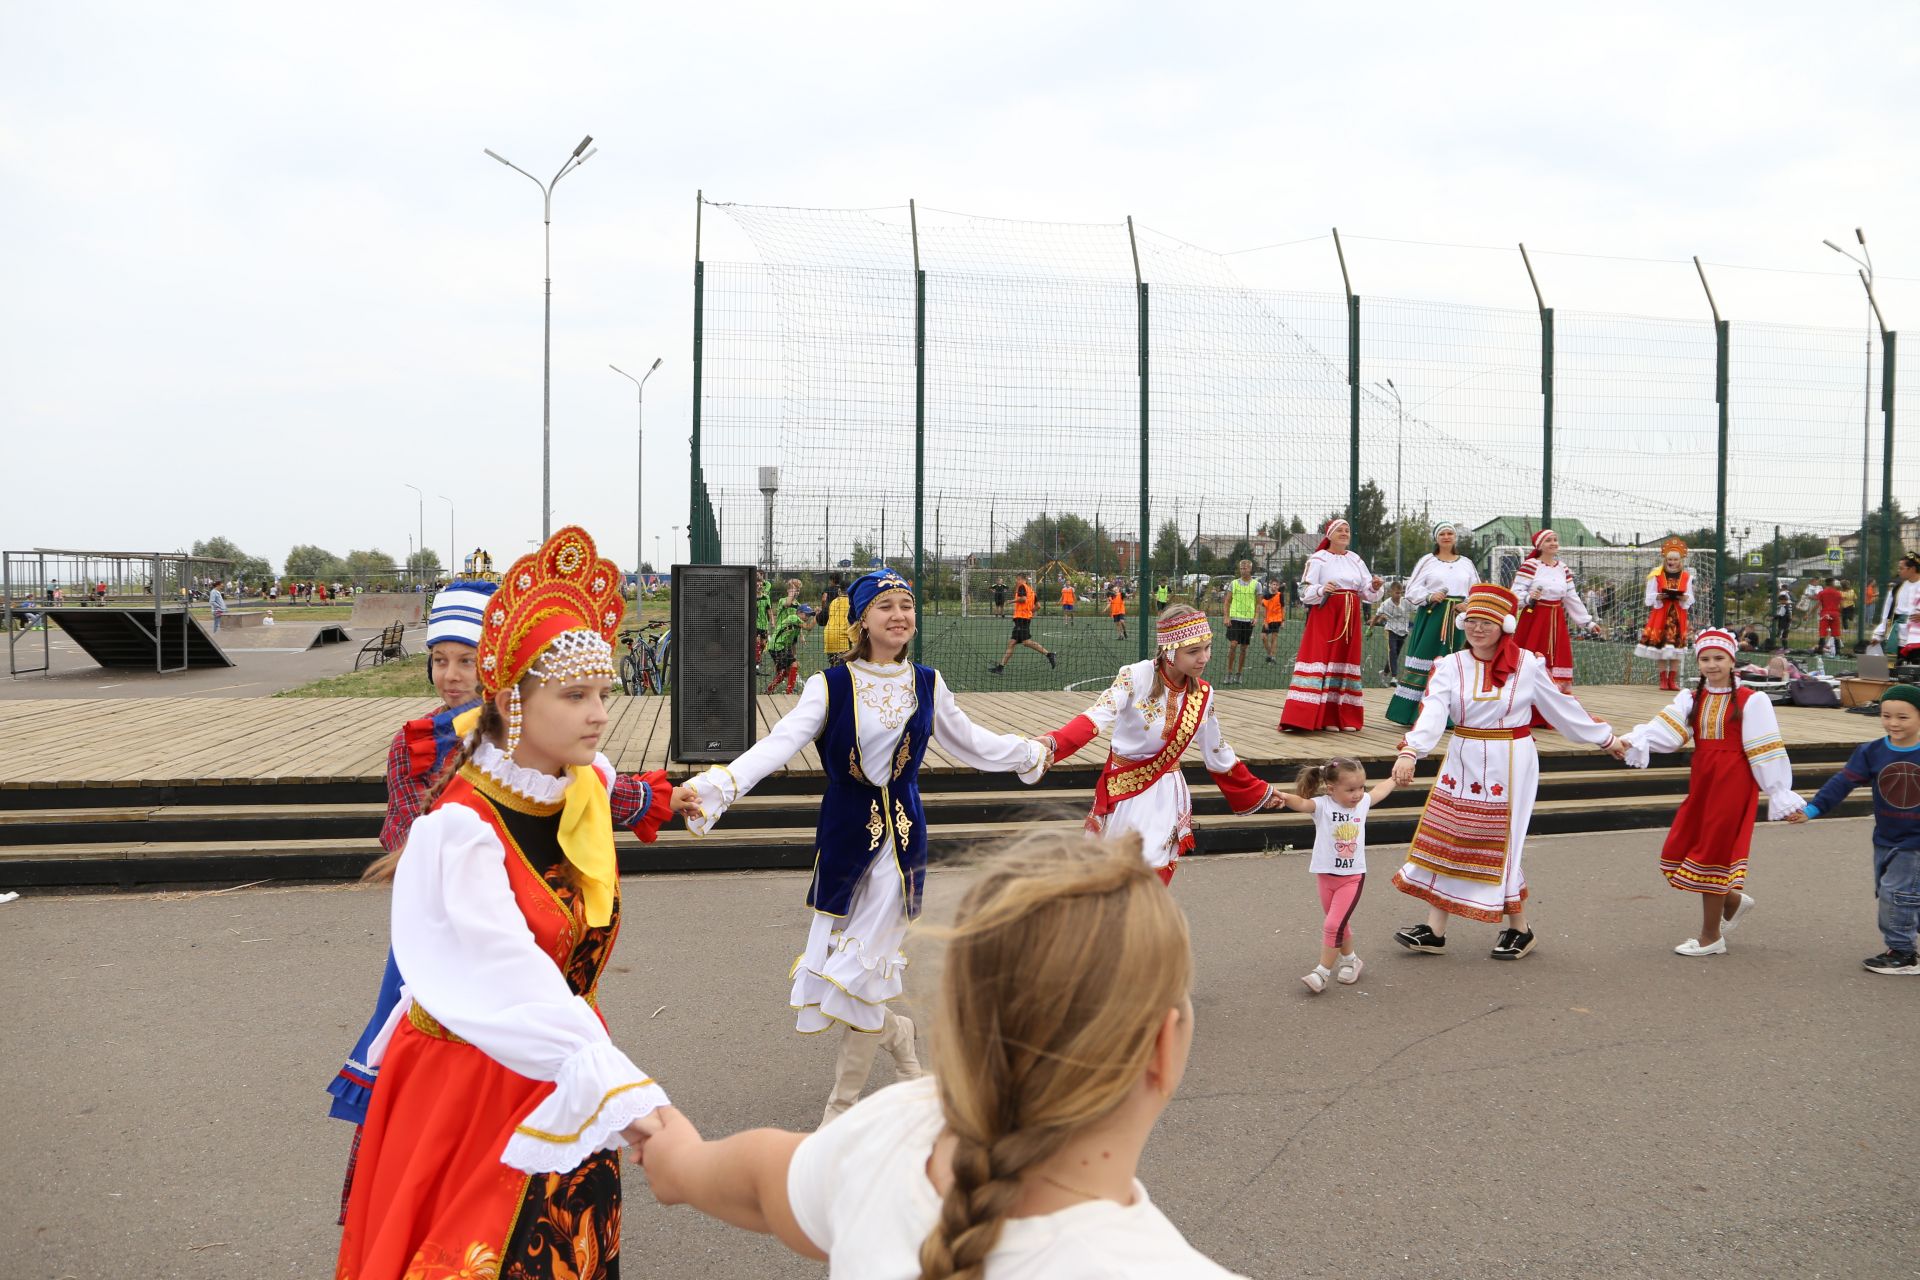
[1907, 693]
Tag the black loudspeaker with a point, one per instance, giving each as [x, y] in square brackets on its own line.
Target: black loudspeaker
[713, 677]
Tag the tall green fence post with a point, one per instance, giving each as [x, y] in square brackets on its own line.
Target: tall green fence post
[698, 516]
[1887, 344]
[1144, 588]
[919, 425]
[1546, 394]
[1353, 386]
[1722, 378]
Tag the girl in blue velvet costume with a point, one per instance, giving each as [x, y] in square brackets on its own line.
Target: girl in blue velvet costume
[873, 718]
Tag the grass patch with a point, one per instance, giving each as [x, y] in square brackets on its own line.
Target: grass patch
[402, 678]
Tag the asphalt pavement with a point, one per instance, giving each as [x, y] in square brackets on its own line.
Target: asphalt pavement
[1600, 1108]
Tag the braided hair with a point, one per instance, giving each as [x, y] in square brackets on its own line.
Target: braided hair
[1062, 963]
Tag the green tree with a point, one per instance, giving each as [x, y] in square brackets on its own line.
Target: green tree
[424, 565]
[245, 568]
[363, 567]
[862, 555]
[310, 563]
[1372, 527]
[1166, 550]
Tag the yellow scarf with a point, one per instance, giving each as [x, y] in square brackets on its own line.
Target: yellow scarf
[586, 838]
[586, 833]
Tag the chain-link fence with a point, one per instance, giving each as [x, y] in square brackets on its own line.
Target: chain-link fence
[975, 401]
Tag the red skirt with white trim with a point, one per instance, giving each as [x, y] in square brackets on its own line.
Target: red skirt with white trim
[1325, 693]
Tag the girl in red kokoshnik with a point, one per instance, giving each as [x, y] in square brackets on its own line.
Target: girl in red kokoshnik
[1154, 711]
[491, 1139]
[1737, 755]
[1669, 597]
[1325, 692]
[1465, 856]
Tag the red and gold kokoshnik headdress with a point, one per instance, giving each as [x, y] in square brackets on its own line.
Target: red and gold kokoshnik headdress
[564, 587]
[1190, 628]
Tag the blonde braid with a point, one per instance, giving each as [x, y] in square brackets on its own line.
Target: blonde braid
[1063, 961]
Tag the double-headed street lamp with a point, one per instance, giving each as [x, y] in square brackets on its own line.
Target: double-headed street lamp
[579, 157]
[640, 473]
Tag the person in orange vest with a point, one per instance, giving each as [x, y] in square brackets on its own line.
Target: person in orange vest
[1022, 627]
[1117, 610]
[1068, 598]
[1273, 612]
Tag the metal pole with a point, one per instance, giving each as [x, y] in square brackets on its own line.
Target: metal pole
[1353, 383]
[1866, 429]
[452, 541]
[919, 422]
[1144, 585]
[1546, 394]
[1721, 362]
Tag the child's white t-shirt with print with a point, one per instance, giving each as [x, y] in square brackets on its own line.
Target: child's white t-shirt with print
[859, 1190]
[1339, 837]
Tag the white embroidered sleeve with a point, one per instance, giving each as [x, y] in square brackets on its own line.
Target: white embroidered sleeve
[471, 961]
[980, 748]
[1562, 710]
[1575, 606]
[722, 785]
[1218, 754]
[1313, 580]
[1667, 731]
[1653, 590]
[1767, 757]
[1442, 685]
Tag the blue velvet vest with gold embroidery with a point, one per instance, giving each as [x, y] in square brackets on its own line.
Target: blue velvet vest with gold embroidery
[865, 818]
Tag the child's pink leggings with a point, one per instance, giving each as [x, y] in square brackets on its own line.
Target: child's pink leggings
[1339, 895]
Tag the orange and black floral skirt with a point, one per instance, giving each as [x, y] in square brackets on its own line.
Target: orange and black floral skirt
[430, 1199]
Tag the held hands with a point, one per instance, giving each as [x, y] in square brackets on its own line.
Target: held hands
[643, 1130]
[665, 1153]
[686, 800]
[1798, 815]
[1403, 771]
[1617, 748]
[1378, 582]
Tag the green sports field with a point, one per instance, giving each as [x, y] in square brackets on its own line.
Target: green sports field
[1089, 653]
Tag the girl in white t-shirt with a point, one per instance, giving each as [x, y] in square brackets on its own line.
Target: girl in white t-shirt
[1339, 857]
[1066, 980]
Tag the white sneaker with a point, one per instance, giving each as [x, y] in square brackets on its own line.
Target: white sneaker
[1317, 980]
[1349, 970]
[1692, 947]
[1739, 913]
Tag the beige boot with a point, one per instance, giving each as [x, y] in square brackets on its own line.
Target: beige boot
[897, 1040]
[850, 1071]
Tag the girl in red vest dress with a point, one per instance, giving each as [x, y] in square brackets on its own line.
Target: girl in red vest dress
[1738, 755]
[1325, 691]
[1669, 597]
[1154, 711]
[490, 1146]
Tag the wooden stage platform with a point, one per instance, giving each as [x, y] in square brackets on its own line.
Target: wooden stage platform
[177, 742]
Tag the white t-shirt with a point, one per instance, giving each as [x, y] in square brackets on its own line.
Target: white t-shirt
[859, 1190]
[1339, 837]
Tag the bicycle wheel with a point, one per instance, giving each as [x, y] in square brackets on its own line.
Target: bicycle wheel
[630, 675]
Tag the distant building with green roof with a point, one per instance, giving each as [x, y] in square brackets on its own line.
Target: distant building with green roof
[1518, 531]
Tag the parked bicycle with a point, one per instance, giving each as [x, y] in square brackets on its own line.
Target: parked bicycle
[643, 669]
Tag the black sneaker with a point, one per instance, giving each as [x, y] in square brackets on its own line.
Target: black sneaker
[1421, 938]
[1893, 962]
[1050, 659]
[996, 669]
[1513, 944]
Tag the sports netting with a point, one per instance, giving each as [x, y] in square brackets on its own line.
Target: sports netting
[1032, 434]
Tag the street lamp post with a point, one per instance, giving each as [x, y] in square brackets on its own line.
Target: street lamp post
[573, 162]
[640, 472]
[452, 541]
[1866, 426]
[422, 544]
[1399, 440]
[676, 542]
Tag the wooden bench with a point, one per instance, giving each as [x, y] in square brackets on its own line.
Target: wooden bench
[385, 647]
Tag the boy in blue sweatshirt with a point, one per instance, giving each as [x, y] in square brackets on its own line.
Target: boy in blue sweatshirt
[1891, 766]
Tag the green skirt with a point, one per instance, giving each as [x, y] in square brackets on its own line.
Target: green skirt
[1432, 635]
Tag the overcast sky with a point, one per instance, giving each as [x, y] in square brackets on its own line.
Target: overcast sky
[260, 276]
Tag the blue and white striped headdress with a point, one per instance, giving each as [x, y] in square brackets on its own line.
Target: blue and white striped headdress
[458, 611]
